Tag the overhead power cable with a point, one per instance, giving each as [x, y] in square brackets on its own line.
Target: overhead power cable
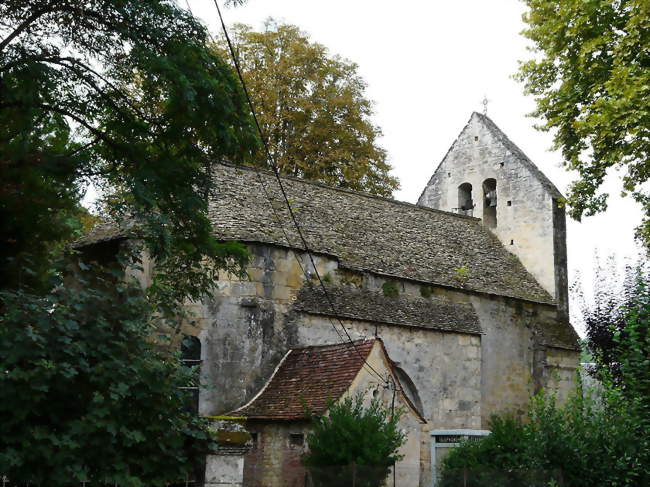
[276, 171]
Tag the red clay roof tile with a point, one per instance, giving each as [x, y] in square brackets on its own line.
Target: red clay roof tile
[307, 379]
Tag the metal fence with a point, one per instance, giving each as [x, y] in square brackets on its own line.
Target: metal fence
[500, 478]
[355, 476]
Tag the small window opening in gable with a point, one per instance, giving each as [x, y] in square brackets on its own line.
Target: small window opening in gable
[512, 242]
[191, 357]
[476, 138]
[490, 202]
[509, 203]
[296, 440]
[465, 202]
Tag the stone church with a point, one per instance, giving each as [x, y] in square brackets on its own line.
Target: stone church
[459, 301]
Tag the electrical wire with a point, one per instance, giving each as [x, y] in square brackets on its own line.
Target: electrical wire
[270, 200]
[273, 164]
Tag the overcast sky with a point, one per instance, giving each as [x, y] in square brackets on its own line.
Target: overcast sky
[428, 65]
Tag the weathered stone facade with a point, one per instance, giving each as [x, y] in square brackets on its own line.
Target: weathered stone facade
[528, 216]
[473, 324]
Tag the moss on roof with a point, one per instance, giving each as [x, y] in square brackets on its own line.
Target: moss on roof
[364, 232]
[369, 233]
[362, 304]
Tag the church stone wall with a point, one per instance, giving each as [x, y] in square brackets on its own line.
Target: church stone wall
[560, 371]
[248, 325]
[460, 378]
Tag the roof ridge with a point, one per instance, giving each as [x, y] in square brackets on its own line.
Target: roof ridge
[334, 345]
[266, 384]
[445, 156]
[349, 191]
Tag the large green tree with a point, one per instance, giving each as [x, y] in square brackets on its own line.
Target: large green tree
[85, 395]
[590, 75]
[604, 312]
[313, 109]
[126, 95]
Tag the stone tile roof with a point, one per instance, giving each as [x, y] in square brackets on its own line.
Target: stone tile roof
[369, 233]
[558, 334]
[362, 304]
[102, 232]
[364, 232]
[307, 379]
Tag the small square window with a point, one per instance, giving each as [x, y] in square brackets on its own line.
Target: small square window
[509, 203]
[475, 138]
[296, 440]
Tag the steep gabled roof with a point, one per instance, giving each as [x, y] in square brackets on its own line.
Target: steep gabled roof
[509, 146]
[369, 233]
[361, 304]
[308, 379]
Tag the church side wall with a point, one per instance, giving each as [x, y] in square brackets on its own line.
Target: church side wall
[247, 326]
[560, 372]
[508, 357]
[243, 327]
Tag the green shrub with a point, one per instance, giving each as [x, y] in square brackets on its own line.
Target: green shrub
[582, 444]
[426, 291]
[390, 289]
[86, 396]
[354, 441]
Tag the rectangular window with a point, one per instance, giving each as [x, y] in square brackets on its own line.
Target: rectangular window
[296, 440]
[191, 358]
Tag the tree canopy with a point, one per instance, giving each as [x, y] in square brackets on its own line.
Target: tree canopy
[126, 95]
[85, 395]
[590, 75]
[605, 314]
[312, 108]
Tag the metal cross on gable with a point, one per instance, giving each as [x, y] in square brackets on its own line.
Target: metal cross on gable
[485, 104]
